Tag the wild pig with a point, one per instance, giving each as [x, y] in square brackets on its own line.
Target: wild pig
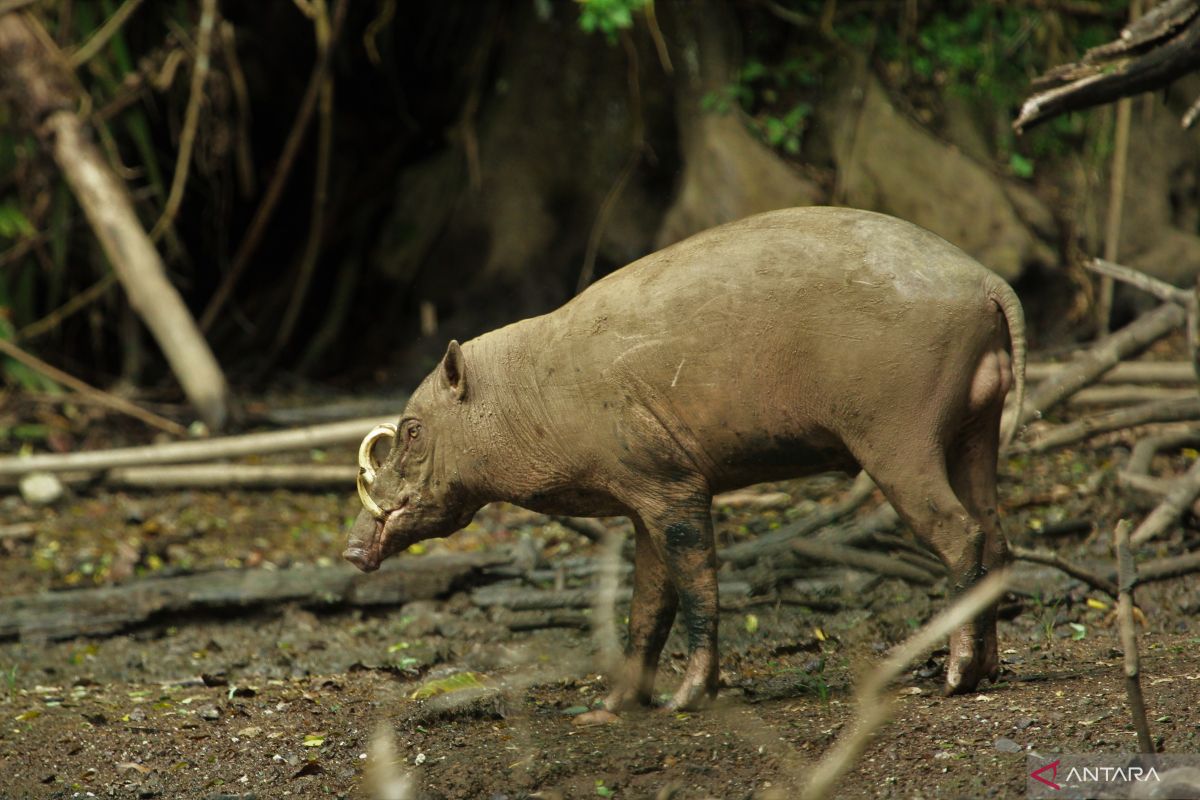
[780, 345]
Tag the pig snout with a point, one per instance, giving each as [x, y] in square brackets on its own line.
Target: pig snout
[361, 559]
[364, 548]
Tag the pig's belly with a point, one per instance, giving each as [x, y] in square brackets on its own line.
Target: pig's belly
[754, 459]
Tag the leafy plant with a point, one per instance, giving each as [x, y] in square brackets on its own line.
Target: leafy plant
[609, 17]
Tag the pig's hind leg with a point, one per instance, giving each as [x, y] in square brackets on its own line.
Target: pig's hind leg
[651, 613]
[918, 486]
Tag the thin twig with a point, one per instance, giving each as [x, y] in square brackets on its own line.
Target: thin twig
[1058, 562]
[191, 118]
[874, 707]
[241, 93]
[660, 44]
[76, 304]
[316, 223]
[287, 159]
[1127, 572]
[88, 50]
[111, 401]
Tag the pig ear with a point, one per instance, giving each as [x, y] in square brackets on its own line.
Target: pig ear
[454, 373]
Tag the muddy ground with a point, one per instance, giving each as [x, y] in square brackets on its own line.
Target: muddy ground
[284, 701]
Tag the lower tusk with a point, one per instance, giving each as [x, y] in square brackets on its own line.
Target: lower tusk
[368, 502]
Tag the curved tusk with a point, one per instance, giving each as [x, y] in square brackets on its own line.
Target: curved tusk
[366, 451]
[367, 466]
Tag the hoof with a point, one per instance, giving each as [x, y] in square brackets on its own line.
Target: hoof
[601, 716]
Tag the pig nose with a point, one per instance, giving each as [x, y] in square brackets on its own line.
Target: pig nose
[360, 558]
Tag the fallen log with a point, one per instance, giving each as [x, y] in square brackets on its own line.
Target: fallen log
[1176, 410]
[250, 444]
[108, 610]
[1093, 363]
[234, 476]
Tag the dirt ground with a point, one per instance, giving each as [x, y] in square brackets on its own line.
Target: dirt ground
[284, 702]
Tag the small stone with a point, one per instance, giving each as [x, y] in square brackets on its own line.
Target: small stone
[1025, 722]
[1006, 745]
[41, 489]
[209, 712]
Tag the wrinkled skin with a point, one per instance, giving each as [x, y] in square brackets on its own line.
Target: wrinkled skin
[781, 345]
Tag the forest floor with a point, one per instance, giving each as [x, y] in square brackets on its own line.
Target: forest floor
[284, 701]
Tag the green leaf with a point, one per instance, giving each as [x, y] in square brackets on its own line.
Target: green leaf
[1077, 631]
[1021, 167]
[453, 683]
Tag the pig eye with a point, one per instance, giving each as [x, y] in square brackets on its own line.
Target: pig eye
[414, 431]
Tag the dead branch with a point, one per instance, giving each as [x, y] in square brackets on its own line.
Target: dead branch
[520, 598]
[883, 518]
[98, 612]
[1150, 53]
[860, 559]
[1127, 395]
[1175, 410]
[1093, 363]
[297, 477]
[874, 707]
[43, 92]
[316, 436]
[1178, 500]
[748, 498]
[1125, 372]
[103, 398]
[1127, 570]
[1137, 469]
[1163, 569]
[75, 304]
[589, 528]
[1140, 280]
[746, 553]
[1050, 559]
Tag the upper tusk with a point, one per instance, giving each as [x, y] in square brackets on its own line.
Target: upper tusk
[366, 451]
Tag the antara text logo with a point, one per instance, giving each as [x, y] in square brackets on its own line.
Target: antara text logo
[1099, 774]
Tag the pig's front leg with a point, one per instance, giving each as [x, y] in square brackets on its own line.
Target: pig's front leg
[686, 535]
[650, 616]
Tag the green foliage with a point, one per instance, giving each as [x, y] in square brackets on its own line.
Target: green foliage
[609, 17]
[772, 97]
[13, 223]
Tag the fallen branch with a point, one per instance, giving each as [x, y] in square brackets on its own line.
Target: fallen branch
[17, 532]
[101, 397]
[1128, 395]
[874, 707]
[1050, 559]
[1127, 570]
[98, 612]
[1163, 569]
[519, 598]
[1089, 366]
[1125, 372]
[860, 559]
[316, 436]
[1178, 500]
[1176, 410]
[42, 90]
[1136, 473]
[746, 553]
[1164, 291]
[296, 477]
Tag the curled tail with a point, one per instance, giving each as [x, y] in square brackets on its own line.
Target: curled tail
[1004, 297]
